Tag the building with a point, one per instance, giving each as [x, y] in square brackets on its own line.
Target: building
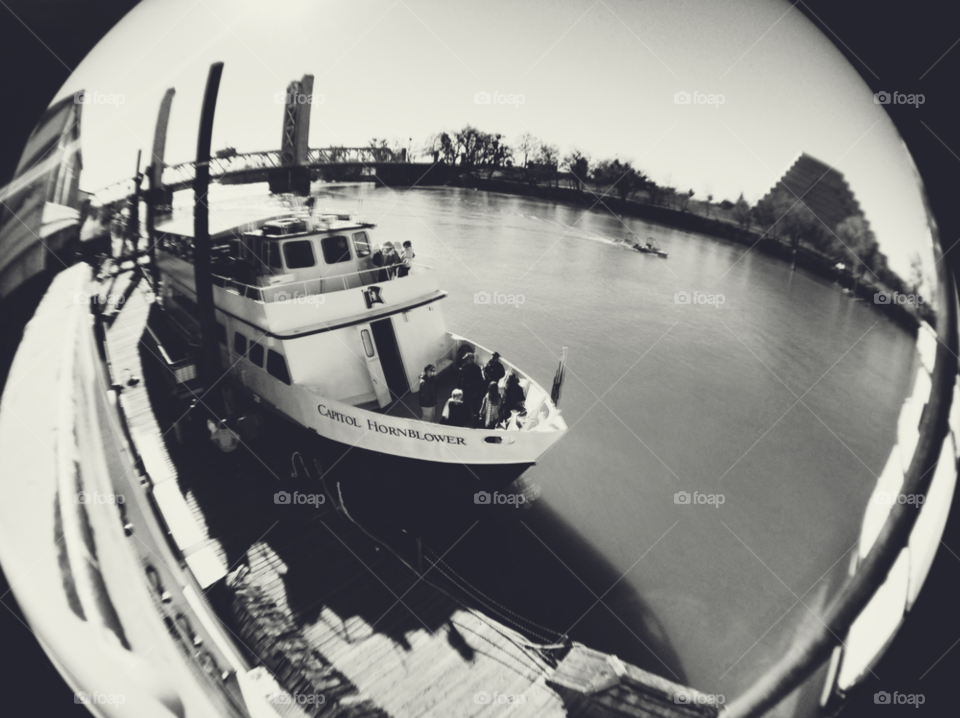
[820, 187]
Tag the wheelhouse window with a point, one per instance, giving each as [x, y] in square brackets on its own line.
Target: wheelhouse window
[361, 244]
[239, 344]
[277, 366]
[335, 249]
[299, 254]
[256, 354]
[270, 255]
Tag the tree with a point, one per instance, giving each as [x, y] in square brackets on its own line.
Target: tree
[742, 213]
[544, 167]
[441, 147]
[709, 204]
[685, 198]
[578, 164]
[527, 149]
[859, 244]
[629, 181]
[495, 153]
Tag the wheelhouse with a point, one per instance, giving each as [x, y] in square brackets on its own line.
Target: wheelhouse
[300, 250]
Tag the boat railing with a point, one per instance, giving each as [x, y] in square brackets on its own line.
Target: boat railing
[291, 291]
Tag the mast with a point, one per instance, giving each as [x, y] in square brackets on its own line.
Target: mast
[210, 368]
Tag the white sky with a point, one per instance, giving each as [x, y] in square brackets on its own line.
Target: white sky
[600, 76]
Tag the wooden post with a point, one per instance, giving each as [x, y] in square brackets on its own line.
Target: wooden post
[155, 180]
[210, 350]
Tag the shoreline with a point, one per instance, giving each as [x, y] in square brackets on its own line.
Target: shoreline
[812, 262]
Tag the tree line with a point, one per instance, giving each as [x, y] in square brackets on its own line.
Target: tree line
[780, 215]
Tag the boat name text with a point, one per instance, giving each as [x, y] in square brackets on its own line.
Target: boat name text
[392, 430]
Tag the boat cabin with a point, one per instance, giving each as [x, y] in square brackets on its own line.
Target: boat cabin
[329, 250]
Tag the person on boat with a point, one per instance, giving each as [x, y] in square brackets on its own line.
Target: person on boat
[385, 258]
[406, 259]
[471, 381]
[494, 370]
[391, 260]
[222, 436]
[428, 393]
[490, 407]
[455, 411]
[513, 398]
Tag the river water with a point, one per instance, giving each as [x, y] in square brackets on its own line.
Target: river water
[777, 396]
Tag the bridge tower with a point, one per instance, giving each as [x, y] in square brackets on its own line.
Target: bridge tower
[295, 175]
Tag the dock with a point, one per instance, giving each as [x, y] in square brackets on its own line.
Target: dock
[342, 623]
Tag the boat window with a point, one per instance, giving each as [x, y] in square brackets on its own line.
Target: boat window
[277, 366]
[299, 254]
[335, 249]
[270, 255]
[361, 244]
[239, 344]
[221, 334]
[256, 354]
[367, 342]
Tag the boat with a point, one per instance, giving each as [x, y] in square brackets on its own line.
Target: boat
[650, 248]
[311, 330]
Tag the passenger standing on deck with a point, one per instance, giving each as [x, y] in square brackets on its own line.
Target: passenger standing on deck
[455, 412]
[490, 408]
[494, 370]
[513, 398]
[391, 260]
[380, 259]
[428, 393]
[471, 381]
[406, 259]
[222, 436]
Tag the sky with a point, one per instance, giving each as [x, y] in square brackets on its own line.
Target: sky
[601, 76]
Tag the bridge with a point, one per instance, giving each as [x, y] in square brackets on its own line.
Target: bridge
[335, 163]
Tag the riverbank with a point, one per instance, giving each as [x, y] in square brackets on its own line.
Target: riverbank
[806, 258]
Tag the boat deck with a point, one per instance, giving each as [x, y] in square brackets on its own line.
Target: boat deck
[408, 405]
